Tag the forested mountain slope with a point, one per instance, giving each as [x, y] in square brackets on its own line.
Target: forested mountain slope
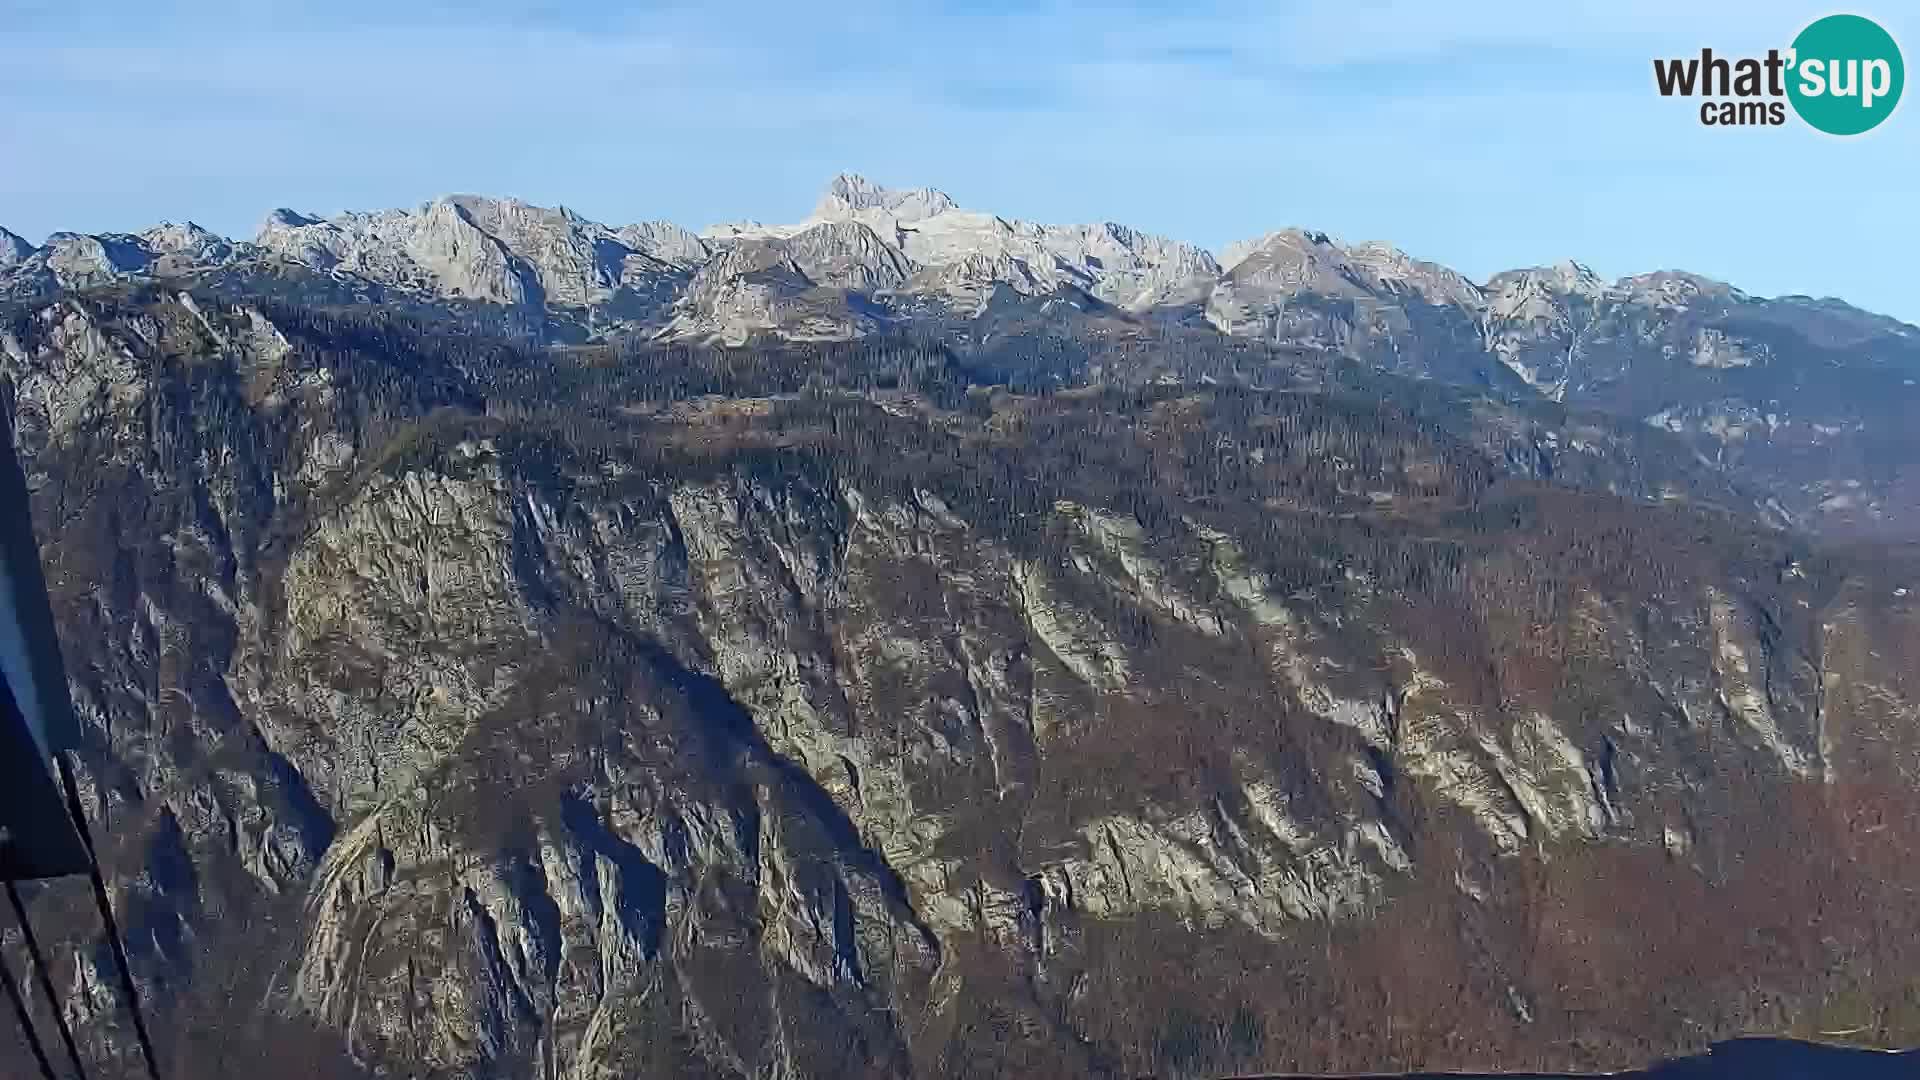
[1098, 704]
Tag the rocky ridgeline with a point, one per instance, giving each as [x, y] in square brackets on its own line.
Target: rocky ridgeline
[1808, 398]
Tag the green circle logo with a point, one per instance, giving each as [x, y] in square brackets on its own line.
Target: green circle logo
[1846, 74]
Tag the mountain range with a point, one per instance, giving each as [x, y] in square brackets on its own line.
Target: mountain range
[1808, 397]
[915, 643]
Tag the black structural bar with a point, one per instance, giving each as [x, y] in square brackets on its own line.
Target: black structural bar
[106, 914]
[26, 1021]
[36, 839]
[45, 976]
[36, 714]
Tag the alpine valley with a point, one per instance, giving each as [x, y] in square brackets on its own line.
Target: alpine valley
[915, 642]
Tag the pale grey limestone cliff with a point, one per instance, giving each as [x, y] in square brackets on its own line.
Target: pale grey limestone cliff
[13, 249]
[553, 760]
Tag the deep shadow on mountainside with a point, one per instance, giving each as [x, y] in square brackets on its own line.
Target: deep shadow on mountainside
[1101, 702]
[1742, 1059]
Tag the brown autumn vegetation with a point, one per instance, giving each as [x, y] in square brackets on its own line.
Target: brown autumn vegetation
[1795, 912]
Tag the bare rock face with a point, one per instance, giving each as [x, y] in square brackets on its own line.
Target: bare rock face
[666, 242]
[1568, 334]
[1120, 266]
[73, 261]
[847, 256]
[1699, 357]
[805, 286]
[13, 249]
[499, 251]
[956, 255]
[777, 735]
[179, 248]
[848, 196]
[573, 259]
[1292, 264]
[1305, 290]
[1537, 320]
[437, 248]
[80, 261]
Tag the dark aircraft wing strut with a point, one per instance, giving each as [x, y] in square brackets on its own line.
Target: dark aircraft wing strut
[43, 824]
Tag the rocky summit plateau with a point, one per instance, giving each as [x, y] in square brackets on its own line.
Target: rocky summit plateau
[915, 642]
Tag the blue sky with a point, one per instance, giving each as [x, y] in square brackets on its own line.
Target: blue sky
[1485, 136]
